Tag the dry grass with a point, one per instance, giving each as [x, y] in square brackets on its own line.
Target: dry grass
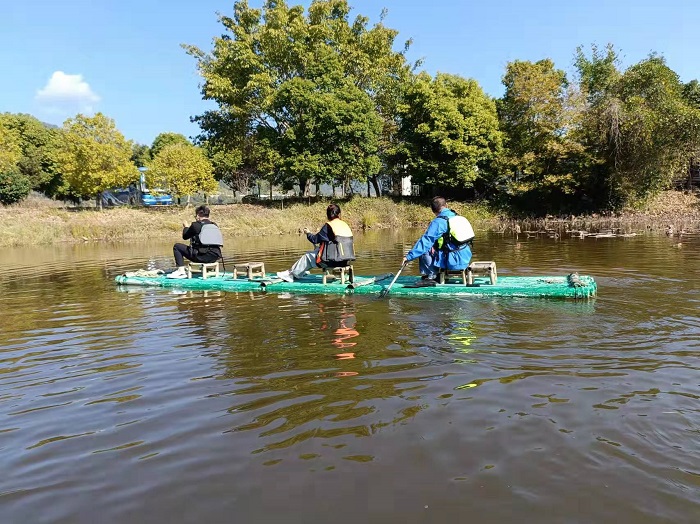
[44, 224]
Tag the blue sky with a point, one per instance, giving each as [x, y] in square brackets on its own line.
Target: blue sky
[123, 57]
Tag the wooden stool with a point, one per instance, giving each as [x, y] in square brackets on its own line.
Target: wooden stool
[483, 268]
[251, 269]
[200, 267]
[444, 273]
[342, 271]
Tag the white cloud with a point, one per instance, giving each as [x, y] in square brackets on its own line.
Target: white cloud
[67, 93]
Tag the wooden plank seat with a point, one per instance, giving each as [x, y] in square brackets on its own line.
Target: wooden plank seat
[445, 273]
[204, 269]
[343, 272]
[251, 269]
[475, 268]
[482, 268]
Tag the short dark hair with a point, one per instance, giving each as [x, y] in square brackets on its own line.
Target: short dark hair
[437, 203]
[333, 211]
[202, 211]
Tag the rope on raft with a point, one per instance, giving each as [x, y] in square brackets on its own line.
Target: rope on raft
[574, 280]
[149, 273]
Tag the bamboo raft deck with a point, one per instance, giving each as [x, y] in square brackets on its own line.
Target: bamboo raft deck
[567, 286]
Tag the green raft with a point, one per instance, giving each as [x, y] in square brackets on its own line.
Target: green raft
[571, 286]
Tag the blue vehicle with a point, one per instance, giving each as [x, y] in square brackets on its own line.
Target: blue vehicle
[137, 194]
[148, 197]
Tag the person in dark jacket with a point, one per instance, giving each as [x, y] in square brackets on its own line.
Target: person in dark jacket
[335, 247]
[205, 246]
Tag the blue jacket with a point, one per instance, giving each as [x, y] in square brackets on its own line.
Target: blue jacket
[458, 259]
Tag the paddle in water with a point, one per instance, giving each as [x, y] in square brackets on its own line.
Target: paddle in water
[385, 292]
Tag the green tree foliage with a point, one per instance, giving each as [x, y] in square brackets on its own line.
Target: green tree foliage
[164, 140]
[691, 93]
[140, 154]
[641, 126]
[539, 115]
[298, 94]
[14, 186]
[94, 156]
[38, 143]
[10, 147]
[182, 168]
[449, 131]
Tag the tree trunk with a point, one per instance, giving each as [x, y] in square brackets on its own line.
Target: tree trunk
[375, 183]
[98, 201]
[303, 186]
[188, 200]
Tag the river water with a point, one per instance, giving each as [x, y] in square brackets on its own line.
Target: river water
[156, 406]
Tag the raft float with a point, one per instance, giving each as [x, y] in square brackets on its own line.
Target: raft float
[464, 283]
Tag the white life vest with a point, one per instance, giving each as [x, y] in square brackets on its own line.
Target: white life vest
[461, 230]
[210, 235]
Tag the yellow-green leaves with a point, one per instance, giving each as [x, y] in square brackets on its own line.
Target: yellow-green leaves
[164, 140]
[94, 156]
[183, 169]
[10, 150]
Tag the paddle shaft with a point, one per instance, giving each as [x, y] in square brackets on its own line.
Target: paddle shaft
[386, 292]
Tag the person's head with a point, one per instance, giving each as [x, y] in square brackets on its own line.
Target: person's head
[437, 204]
[333, 211]
[201, 212]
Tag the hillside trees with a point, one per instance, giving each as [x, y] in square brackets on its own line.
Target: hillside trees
[37, 142]
[14, 186]
[10, 147]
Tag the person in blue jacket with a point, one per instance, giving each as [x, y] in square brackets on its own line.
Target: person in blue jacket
[437, 249]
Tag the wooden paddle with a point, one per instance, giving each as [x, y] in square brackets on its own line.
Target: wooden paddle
[385, 292]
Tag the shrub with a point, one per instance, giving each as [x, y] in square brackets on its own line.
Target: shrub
[14, 187]
[369, 219]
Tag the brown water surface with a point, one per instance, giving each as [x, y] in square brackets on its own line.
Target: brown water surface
[154, 406]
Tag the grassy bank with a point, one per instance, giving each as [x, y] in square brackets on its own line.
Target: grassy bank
[31, 224]
[38, 223]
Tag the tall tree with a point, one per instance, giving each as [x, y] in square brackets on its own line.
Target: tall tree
[184, 169]
[38, 143]
[449, 130]
[164, 140]
[280, 77]
[538, 113]
[94, 156]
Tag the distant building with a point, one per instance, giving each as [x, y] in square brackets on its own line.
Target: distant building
[406, 187]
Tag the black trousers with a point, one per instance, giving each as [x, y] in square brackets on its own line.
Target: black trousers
[182, 252]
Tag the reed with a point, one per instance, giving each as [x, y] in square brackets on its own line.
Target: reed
[46, 224]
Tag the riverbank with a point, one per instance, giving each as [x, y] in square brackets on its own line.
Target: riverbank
[37, 223]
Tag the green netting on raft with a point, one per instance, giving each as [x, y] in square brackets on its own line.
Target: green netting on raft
[582, 286]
